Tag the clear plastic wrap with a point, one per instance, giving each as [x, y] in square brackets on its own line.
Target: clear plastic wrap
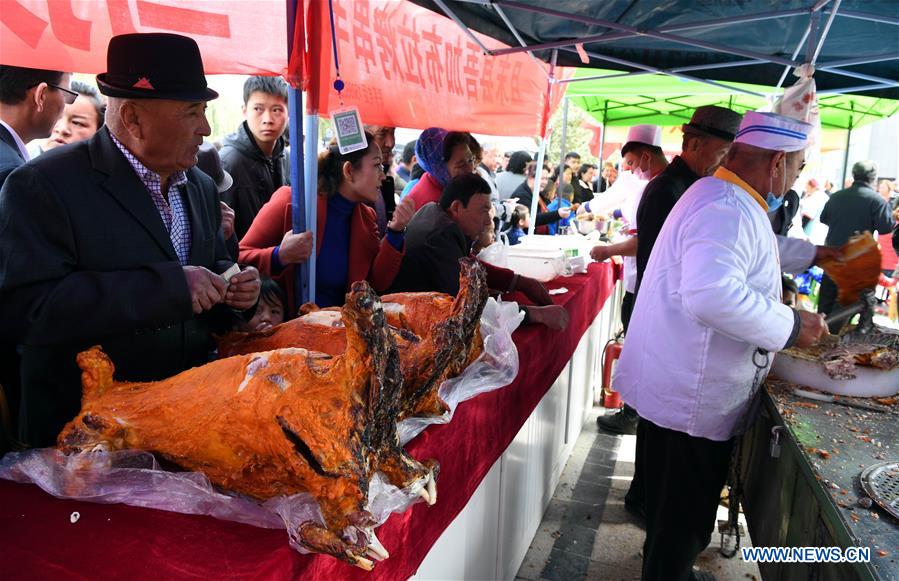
[135, 478]
[496, 367]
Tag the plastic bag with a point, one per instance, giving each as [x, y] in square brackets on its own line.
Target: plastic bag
[134, 478]
[497, 253]
[801, 102]
[496, 367]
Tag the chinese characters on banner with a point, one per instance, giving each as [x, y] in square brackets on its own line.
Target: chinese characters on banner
[405, 66]
[71, 35]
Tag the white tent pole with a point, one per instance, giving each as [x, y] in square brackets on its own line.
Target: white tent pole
[310, 133]
[833, 14]
[541, 156]
[783, 76]
[541, 152]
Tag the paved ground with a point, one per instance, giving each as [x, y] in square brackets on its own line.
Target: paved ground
[587, 534]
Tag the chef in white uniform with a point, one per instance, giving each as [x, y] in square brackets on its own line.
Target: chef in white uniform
[642, 155]
[705, 322]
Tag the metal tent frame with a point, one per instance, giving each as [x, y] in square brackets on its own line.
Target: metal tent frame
[812, 39]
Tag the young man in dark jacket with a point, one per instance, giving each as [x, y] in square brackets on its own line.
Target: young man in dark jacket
[255, 154]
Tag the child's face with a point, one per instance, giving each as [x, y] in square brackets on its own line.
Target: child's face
[525, 221]
[268, 314]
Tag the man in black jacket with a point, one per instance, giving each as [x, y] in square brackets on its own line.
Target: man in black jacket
[441, 234]
[255, 154]
[31, 101]
[117, 240]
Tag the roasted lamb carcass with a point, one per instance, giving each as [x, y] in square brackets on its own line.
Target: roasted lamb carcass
[438, 336]
[858, 270]
[275, 423]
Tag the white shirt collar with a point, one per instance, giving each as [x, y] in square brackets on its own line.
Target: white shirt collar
[18, 140]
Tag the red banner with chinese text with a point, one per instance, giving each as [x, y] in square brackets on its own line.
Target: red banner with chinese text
[403, 65]
[241, 37]
[406, 66]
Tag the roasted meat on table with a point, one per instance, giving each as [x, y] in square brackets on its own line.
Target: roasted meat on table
[858, 270]
[438, 336]
[280, 422]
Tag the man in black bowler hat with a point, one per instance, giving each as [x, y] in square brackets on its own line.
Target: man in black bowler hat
[117, 240]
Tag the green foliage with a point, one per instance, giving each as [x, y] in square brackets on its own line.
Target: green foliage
[577, 138]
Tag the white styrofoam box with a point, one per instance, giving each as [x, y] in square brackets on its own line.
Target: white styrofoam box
[570, 245]
[542, 269]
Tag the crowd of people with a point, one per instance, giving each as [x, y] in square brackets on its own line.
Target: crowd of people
[117, 229]
[118, 232]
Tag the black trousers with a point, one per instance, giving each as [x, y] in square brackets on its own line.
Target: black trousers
[627, 307]
[636, 494]
[683, 480]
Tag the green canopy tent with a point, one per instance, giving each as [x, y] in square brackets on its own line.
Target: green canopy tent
[619, 100]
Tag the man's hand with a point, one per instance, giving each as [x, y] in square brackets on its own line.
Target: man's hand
[601, 252]
[243, 289]
[812, 328]
[227, 220]
[295, 248]
[402, 215]
[564, 212]
[534, 290]
[827, 253]
[207, 289]
[554, 316]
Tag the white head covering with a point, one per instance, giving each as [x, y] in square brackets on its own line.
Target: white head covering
[772, 131]
[647, 134]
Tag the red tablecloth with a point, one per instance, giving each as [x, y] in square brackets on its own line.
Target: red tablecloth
[38, 541]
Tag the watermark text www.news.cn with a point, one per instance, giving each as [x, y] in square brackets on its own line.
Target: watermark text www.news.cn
[806, 554]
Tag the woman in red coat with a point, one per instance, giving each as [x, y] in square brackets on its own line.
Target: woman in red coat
[348, 245]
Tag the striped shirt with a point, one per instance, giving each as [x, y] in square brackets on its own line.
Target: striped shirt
[172, 208]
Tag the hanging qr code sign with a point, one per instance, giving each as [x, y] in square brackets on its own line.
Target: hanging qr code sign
[348, 127]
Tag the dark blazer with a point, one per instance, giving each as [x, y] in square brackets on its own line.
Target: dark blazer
[10, 158]
[434, 245]
[85, 259]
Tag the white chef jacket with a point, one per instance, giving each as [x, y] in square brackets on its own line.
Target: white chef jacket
[796, 255]
[710, 296]
[625, 194]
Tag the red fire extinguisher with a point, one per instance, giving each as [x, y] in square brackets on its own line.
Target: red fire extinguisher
[610, 355]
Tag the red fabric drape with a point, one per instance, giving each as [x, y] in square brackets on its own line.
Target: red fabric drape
[119, 541]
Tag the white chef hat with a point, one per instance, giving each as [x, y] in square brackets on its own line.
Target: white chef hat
[772, 131]
[646, 134]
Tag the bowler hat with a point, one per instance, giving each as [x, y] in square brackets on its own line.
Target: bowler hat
[154, 66]
[714, 121]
